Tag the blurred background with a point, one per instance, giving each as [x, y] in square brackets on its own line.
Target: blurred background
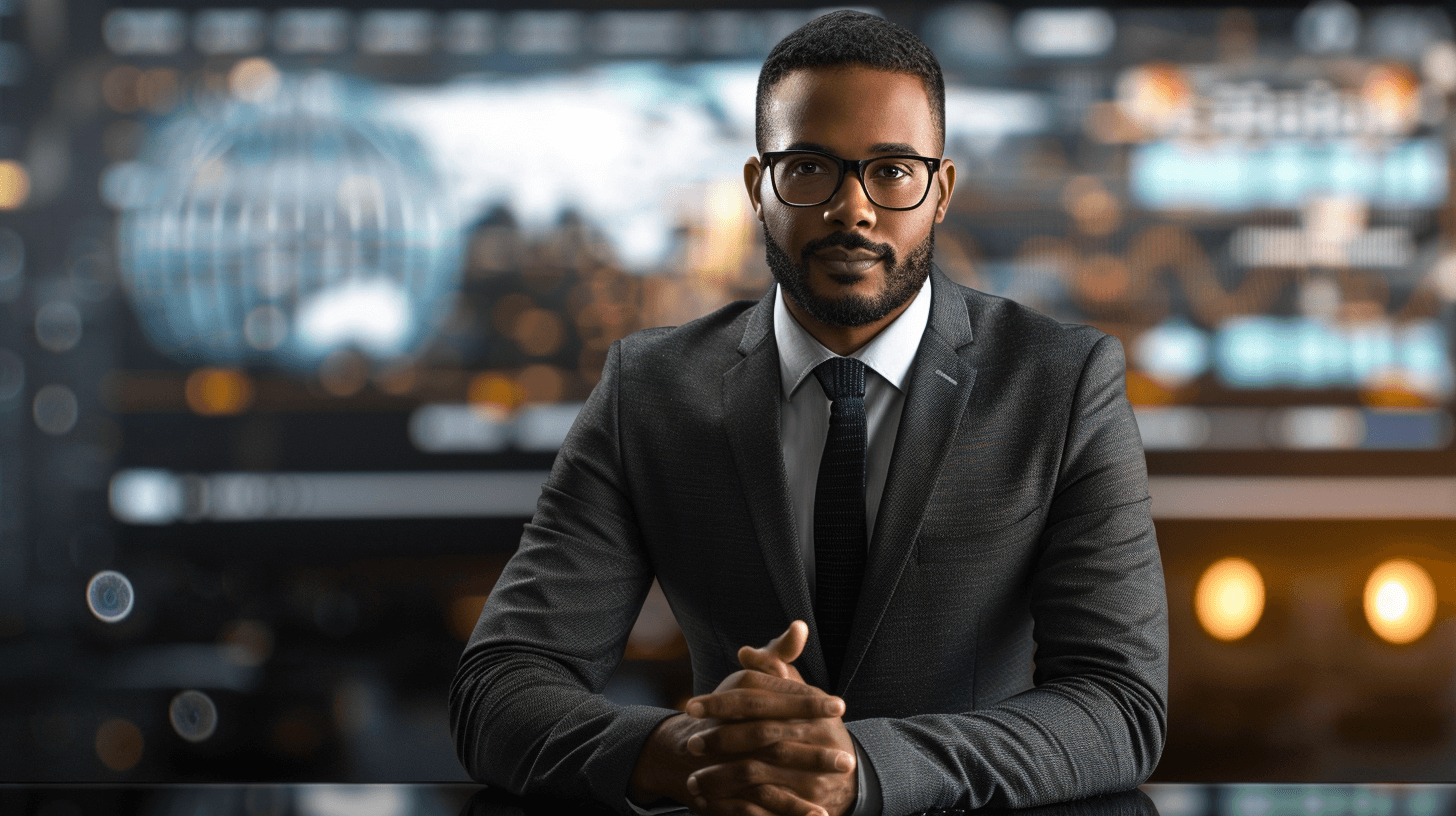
[297, 303]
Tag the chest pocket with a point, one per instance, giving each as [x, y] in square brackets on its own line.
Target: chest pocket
[949, 543]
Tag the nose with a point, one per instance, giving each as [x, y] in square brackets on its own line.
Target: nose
[850, 207]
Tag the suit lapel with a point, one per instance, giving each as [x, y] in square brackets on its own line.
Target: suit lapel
[939, 387]
[751, 417]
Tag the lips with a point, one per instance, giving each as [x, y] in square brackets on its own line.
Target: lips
[847, 262]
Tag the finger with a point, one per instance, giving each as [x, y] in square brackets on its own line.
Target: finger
[734, 779]
[749, 736]
[803, 744]
[792, 752]
[788, 646]
[752, 678]
[761, 660]
[728, 807]
[761, 704]
[782, 801]
[746, 678]
[768, 799]
[772, 801]
[776, 657]
[804, 757]
[747, 778]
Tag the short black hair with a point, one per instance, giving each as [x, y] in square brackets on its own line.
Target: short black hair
[851, 38]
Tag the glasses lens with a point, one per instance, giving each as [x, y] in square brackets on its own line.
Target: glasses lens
[893, 182]
[804, 178]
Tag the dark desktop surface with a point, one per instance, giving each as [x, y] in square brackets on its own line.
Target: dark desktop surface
[449, 799]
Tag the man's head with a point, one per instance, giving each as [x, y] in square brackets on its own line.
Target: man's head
[853, 86]
[844, 38]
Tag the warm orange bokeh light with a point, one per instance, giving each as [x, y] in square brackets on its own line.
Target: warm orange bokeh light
[14, 184]
[119, 744]
[1154, 95]
[1400, 601]
[218, 391]
[1394, 93]
[494, 393]
[462, 614]
[254, 80]
[1230, 598]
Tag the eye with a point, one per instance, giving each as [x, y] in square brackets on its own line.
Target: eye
[806, 167]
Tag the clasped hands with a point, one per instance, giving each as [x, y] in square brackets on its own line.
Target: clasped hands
[763, 743]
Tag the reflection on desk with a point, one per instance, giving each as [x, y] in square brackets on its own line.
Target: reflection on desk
[474, 800]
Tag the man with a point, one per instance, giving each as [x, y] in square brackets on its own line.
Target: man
[902, 485]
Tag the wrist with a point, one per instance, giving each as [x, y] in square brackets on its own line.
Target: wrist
[661, 771]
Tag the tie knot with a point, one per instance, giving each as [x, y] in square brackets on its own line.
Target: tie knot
[841, 377]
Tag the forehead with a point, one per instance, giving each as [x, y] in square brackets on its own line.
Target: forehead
[850, 109]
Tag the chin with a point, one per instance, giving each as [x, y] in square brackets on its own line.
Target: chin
[849, 279]
[849, 298]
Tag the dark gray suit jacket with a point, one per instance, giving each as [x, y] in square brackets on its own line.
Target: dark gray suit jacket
[1010, 643]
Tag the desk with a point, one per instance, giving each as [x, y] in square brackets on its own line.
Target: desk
[474, 800]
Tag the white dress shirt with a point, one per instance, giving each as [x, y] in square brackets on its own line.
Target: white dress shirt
[804, 425]
[804, 410]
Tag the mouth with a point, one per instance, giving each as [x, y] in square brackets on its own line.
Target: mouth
[841, 262]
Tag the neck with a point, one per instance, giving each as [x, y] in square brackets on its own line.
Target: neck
[843, 340]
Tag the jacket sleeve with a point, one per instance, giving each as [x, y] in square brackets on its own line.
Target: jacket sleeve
[1096, 718]
[526, 707]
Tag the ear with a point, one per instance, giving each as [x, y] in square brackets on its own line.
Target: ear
[945, 180]
[753, 180]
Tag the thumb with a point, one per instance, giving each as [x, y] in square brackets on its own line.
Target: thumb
[778, 654]
[788, 646]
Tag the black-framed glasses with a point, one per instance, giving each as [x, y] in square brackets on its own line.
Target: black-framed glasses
[809, 178]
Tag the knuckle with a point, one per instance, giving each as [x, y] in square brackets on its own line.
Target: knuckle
[752, 772]
[748, 808]
[755, 736]
[725, 738]
[771, 797]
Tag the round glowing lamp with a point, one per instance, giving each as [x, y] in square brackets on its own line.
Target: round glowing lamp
[1400, 601]
[1229, 599]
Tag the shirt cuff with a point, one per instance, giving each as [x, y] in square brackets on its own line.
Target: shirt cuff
[868, 802]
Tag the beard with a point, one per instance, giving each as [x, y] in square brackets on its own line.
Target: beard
[902, 279]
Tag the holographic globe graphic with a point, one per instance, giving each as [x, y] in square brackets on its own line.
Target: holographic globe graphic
[286, 229]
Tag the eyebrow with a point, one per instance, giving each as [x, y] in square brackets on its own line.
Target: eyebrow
[880, 148]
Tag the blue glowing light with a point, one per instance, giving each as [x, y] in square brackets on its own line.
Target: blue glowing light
[193, 715]
[1260, 352]
[285, 230]
[1172, 352]
[1228, 176]
[109, 595]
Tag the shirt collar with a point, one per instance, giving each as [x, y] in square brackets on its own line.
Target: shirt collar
[889, 354]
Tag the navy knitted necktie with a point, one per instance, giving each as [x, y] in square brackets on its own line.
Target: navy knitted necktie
[839, 508]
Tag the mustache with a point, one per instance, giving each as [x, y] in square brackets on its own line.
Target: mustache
[847, 240]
